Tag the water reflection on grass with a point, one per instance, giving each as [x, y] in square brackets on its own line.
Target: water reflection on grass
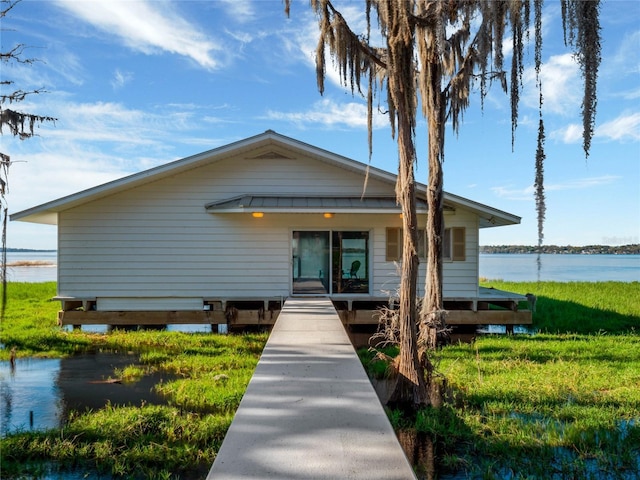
[29, 395]
[38, 394]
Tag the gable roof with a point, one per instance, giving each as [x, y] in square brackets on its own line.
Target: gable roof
[47, 213]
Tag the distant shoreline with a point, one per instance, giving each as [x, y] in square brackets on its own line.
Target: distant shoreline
[633, 249]
[27, 250]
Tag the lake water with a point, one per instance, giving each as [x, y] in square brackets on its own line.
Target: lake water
[45, 271]
[509, 267]
[560, 268]
[37, 393]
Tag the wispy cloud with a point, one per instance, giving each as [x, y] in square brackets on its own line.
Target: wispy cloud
[149, 27]
[106, 122]
[559, 76]
[625, 127]
[510, 192]
[631, 94]
[302, 42]
[52, 65]
[99, 142]
[108, 126]
[582, 183]
[120, 79]
[67, 65]
[241, 11]
[326, 112]
[625, 61]
[572, 133]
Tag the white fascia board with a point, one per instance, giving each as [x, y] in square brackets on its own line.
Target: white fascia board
[490, 216]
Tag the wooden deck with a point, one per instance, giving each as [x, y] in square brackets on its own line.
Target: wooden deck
[490, 307]
[310, 410]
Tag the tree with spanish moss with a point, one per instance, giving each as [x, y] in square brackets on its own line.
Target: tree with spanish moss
[432, 55]
[19, 124]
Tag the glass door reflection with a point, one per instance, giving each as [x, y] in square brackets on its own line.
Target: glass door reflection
[311, 260]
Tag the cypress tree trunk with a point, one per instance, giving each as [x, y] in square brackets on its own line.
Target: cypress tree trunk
[433, 315]
[410, 386]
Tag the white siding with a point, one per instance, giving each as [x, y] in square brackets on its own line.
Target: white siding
[157, 241]
[461, 278]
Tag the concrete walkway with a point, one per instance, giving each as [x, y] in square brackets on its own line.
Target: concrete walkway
[310, 411]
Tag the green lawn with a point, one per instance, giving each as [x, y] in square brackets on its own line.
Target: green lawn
[181, 438]
[563, 403]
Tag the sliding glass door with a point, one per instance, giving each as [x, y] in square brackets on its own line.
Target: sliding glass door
[350, 254]
[310, 262]
[330, 262]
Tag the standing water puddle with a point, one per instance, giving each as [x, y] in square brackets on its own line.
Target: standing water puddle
[39, 393]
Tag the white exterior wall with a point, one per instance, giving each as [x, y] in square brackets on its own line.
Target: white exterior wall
[155, 247]
[461, 278]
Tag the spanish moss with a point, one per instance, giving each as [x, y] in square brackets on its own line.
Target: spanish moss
[434, 55]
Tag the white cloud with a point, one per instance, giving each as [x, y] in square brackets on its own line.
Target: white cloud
[304, 40]
[559, 75]
[91, 144]
[120, 79]
[49, 175]
[527, 193]
[512, 193]
[107, 122]
[572, 133]
[626, 61]
[149, 27]
[624, 127]
[329, 113]
[632, 94]
[241, 11]
[68, 66]
[94, 141]
[582, 183]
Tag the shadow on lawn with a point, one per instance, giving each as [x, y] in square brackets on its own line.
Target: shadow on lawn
[562, 316]
[445, 447]
[515, 445]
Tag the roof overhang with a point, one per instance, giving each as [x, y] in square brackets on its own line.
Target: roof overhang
[488, 216]
[309, 204]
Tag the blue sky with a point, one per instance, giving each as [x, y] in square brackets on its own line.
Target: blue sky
[135, 84]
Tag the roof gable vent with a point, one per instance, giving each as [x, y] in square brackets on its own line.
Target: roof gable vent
[270, 156]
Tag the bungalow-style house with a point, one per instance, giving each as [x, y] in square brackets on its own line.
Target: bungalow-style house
[226, 236]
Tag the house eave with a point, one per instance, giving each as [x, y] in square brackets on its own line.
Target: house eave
[488, 216]
[301, 204]
[310, 210]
